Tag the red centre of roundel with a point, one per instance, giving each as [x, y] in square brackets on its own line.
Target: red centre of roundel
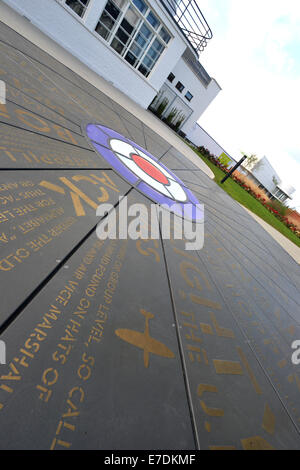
[150, 169]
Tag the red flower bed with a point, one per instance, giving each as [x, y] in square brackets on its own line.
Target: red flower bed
[247, 188]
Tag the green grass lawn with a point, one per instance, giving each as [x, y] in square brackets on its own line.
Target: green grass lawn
[244, 198]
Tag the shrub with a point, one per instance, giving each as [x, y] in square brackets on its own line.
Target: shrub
[180, 119]
[162, 107]
[279, 207]
[255, 190]
[279, 210]
[171, 116]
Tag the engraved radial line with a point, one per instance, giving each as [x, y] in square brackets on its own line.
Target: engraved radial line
[42, 116]
[270, 266]
[249, 345]
[251, 261]
[262, 286]
[255, 306]
[48, 278]
[180, 347]
[28, 57]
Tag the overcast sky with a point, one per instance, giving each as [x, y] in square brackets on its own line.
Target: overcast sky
[255, 57]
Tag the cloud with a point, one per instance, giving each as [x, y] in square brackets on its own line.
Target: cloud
[255, 58]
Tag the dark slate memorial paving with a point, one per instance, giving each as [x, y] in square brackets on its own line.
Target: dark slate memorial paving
[123, 343]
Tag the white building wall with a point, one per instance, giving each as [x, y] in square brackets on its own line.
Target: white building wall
[173, 52]
[77, 36]
[287, 189]
[202, 95]
[200, 138]
[264, 173]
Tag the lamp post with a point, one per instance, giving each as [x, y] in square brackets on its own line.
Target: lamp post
[233, 169]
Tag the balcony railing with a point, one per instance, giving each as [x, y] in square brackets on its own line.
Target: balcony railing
[190, 19]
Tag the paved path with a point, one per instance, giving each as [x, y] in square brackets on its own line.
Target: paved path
[123, 344]
[286, 244]
[33, 34]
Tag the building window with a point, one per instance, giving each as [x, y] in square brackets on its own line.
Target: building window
[153, 20]
[133, 31]
[189, 96]
[280, 195]
[79, 6]
[171, 77]
[179, 87]
[140, 5]
[164, 35]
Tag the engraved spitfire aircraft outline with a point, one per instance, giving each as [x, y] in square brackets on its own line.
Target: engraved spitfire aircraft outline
[144, 341]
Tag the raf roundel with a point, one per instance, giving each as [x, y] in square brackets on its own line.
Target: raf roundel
[149, 176]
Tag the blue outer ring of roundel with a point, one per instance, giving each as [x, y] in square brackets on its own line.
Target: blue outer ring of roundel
[101, 136]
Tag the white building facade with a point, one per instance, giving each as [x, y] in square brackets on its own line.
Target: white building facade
[200, 138]
[261, 172]
[266, 177]
[147, 48]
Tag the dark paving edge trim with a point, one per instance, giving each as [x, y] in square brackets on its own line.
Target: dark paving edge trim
[260, 237]
[283, 275]
[201, 186]
[180, 348]
[43, 117]
[144, 134]
[28, 56]
[78, 168]
[246, 217]
[48, 278]
[248, 342]
[96, 122]
[67, 118]
[126, 127]
[190, 169]
[55, 71]
[257, 280]
[47, 136]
